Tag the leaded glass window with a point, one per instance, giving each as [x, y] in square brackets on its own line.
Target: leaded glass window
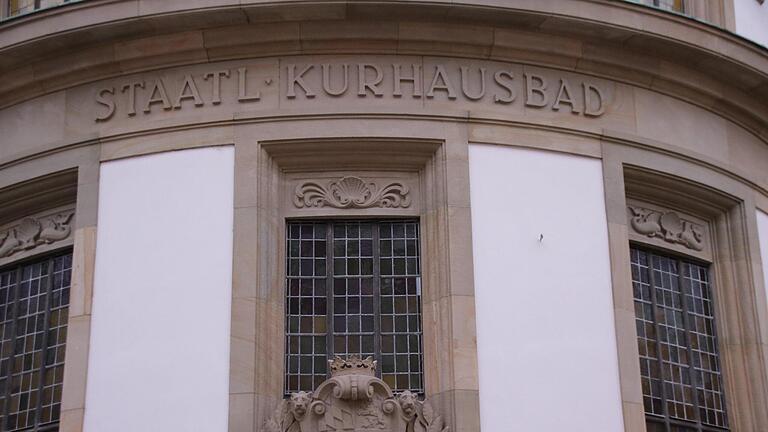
[353, 287]
[34, 307]
[679, 363]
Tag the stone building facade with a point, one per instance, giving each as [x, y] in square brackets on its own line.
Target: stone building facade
[533, 215]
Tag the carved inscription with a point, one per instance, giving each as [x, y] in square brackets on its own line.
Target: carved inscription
[360, 80]
[351, 192]
[667, 226]
[33, 232]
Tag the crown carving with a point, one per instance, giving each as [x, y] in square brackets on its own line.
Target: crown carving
[353, 399]
[352, 365]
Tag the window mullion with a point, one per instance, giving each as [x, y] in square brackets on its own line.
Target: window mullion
[377, 297]
[660, 361]
[44, 353]
[329, 291]
[714, 315]
[687, 324]
[12, 358]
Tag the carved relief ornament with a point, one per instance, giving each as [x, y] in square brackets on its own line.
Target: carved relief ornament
[352, 192]
[354, 400]
[668, 226]
[33, 232]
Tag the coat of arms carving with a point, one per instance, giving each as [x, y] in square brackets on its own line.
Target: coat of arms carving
[354, 400]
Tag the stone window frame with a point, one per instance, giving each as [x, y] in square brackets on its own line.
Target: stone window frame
[63, 179]
[38, 189]
[264, 172]
[29, 208]
[727, 207]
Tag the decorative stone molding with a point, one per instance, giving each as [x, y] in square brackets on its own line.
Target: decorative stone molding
[354, 400]
[351, 192]
[33, 232]
[668, 226]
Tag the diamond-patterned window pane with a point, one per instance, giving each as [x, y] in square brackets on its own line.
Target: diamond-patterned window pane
[679, 364]
[353, 287]
[34, 308]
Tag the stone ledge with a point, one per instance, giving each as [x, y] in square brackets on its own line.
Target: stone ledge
[674, 55]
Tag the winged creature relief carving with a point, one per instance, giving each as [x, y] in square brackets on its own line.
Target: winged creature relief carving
[667, 226]
[32, 232]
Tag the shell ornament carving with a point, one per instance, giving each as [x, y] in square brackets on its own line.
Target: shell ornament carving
[352, 192]
[667, 226]
[354, 400]
[32, 232]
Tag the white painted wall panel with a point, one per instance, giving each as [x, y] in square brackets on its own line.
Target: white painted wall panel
[546, 338]
[752, 20]
[159, 354]
[762, 227]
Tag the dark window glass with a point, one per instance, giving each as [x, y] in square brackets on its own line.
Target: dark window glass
[34, 307]
[20, 7]
[353, 287]
[679, 364]
[670, 5]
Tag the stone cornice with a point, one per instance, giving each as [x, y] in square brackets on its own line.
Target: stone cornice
[623, 42]
[81, 22]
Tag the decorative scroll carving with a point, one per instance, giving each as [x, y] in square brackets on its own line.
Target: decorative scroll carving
[352, 192]
[667, 226]
[32, 232]
[354, 400]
